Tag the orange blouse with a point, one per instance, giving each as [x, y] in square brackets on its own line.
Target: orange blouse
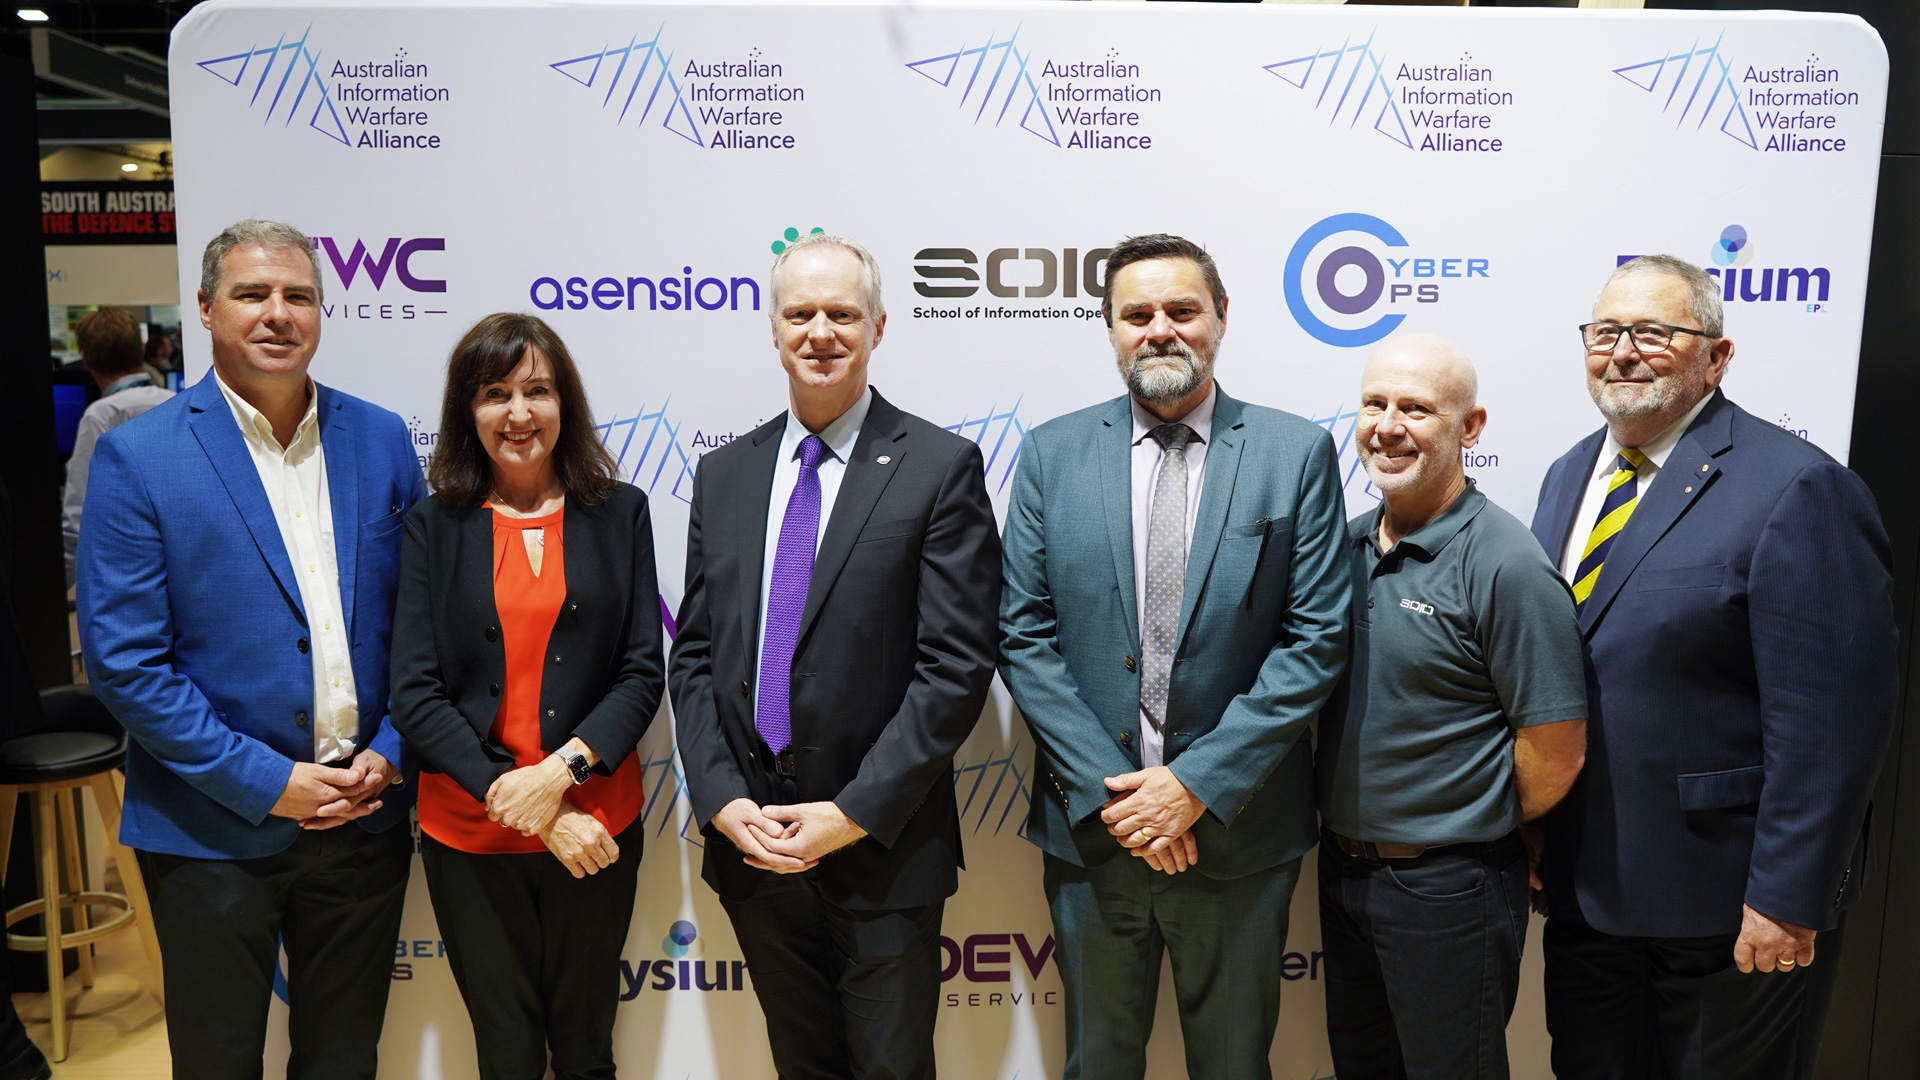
[528, 604]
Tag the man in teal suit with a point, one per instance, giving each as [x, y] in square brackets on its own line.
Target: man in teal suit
[1174, 615]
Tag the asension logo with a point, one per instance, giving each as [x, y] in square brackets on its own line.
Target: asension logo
[1352, 279]
[360, 268]
[681, 967]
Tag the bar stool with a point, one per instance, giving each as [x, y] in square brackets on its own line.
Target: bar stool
[80, 745]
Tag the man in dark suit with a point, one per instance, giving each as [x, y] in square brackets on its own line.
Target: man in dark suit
[1175, 614]
[1732, 588]
[236, 589]
[835, 645]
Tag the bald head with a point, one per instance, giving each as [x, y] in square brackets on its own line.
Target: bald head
[1431, 359]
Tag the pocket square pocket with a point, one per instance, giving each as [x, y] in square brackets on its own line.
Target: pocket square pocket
[1723, 789]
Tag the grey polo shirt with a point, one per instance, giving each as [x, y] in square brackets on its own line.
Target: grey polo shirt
[1461, 633]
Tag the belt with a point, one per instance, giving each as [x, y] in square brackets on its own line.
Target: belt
[783, 762]
[1368, 849]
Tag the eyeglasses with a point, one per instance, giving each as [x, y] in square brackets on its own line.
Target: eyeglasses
[1648, 337]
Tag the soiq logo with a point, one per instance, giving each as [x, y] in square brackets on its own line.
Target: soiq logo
[1351, 280]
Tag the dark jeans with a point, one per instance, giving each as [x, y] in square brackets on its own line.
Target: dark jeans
[1635, 1008]
[847, 994]
[536, 954]
[1422, 959]
[333, 899]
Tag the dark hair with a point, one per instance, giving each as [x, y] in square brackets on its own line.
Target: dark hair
[462, 472]
[1162, 246]
[110, 341]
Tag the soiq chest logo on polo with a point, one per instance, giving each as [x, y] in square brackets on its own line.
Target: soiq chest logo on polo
[1352, 279]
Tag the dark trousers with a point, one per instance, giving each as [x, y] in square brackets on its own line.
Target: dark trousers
[536, 954]
[333, 899]
[848, 995]
[1226, 938]
[1636, 1008]
[1422, 959]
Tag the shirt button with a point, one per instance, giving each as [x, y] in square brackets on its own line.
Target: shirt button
[1369, 602]
[336, 682]
[300, 719]
[301, 644]
[327, 625]
[310, 568]
[299, 513]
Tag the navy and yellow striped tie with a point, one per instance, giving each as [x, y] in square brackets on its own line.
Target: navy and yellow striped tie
[1622, 495]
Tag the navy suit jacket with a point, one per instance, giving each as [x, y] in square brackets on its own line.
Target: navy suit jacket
[1262, 636]
[191, 622]
[1741, 686]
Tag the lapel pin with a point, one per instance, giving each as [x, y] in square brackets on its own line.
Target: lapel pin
[884, 459]
[1703, 468]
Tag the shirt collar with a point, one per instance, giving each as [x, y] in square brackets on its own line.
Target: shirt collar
[127, 382]
[1432, 537]
[1199, 418]
[838, 435]
[254, 423]
[1658, 448]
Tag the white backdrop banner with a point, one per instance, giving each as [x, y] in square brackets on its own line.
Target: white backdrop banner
[627, 171]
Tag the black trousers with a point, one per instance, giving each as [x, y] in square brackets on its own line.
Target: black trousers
[333, 899]
[1423, 959]
[1636, 1008]
[536, 954]
[848, 995]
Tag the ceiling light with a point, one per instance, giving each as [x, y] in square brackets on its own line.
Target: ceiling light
[32, 14]
[129, 167]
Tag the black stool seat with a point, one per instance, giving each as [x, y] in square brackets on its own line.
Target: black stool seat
[54, 756]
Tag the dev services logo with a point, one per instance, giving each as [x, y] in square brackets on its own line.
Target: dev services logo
[1356, 265]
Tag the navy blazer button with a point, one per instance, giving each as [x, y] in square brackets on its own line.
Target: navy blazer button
[301, 644]
[493, 633]
[300, 719]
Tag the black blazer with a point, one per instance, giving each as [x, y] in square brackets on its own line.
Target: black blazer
[604, 679]
[897, 646]
[1742, 680]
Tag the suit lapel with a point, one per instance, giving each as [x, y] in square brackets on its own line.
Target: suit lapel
[750, 529]
[1216, 494]
[218, 433]
[1681, 481]
[1115, 453]
[1553, 522]
[343, 489]
[860, 488]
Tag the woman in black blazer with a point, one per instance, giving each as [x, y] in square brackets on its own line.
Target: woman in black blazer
[526, 667]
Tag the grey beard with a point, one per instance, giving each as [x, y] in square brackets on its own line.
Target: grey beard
[1165, 384]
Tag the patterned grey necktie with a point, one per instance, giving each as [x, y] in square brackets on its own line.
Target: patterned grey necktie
[1166, 569]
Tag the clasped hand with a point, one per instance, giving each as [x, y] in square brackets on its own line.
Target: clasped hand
[786, 839]
[527, 799]
[1151, 815]
[579, 841]
[325, 796]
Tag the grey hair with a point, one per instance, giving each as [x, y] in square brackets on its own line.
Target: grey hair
[869, 270]
[1703, 291]
[267, 234]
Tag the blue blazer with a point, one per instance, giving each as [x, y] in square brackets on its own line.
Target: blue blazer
[1261, 642]
[191, 623]
[1741, 686]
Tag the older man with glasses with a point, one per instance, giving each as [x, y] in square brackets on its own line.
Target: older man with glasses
[1731, 581]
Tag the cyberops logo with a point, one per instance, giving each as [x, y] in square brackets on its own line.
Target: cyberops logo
[372, 104]
[1352, 279]
[681, 966]
[360, 272]
[994, 78]
[637, 84]
[1732, 256]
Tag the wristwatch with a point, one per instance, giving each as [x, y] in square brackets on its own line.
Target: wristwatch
[576, 765]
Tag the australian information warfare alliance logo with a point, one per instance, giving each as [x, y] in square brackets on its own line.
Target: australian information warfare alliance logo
[717, 105]
[1081, 105]
[371, 104]
[1443, 100]
[1701, 82]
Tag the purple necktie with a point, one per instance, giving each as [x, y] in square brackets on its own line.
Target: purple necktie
[787, 598]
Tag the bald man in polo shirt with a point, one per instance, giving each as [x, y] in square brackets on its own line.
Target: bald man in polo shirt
[1462, 713]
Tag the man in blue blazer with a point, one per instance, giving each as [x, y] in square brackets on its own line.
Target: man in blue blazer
[1732, 588]
[236, 589]
[1174, 615]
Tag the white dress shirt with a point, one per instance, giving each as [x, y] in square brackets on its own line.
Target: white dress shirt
[123, 399]
[840, 435]
[1657, 451]
[296, 481]
[1146, 466]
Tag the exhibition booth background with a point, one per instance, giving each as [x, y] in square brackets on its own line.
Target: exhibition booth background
[538, 177]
